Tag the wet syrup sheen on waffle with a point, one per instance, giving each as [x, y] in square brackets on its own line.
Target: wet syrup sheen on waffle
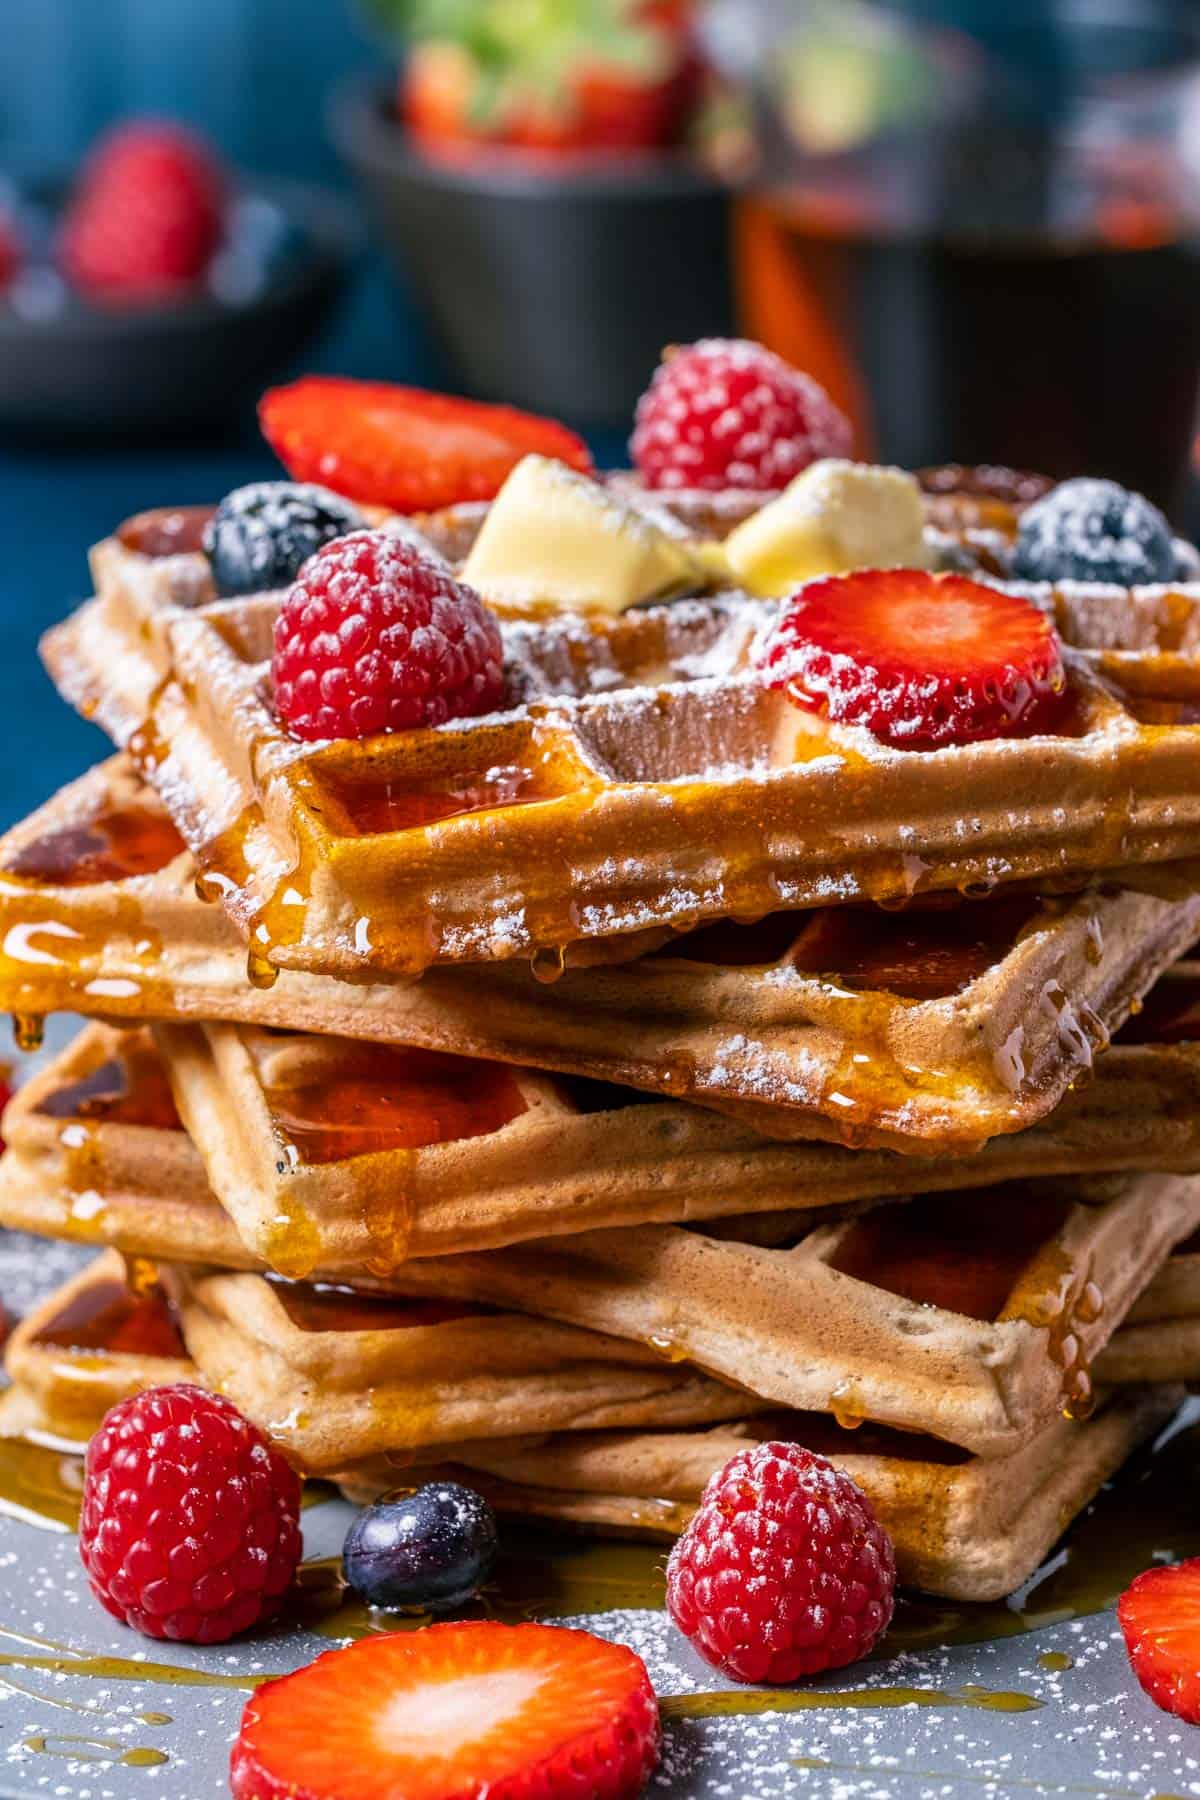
[644, 775]
[933, 1027]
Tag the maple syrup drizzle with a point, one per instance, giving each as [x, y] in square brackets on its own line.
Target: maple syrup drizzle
[397, 1100]
[114, 843]
[742, 1702]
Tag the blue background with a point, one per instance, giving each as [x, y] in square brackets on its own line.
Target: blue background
[254, 74]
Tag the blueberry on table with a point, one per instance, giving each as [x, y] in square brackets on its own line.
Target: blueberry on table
[1089, 530]
[427, 1551]
[260, 535]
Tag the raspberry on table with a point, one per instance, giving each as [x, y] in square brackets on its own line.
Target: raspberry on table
[146, 217]
[375, 636]
[784, 1569]
[1088, 530]
[727, 413]
[190, 1526]
[260, 536]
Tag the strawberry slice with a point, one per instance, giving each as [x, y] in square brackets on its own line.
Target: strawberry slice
[1160, 1617]
[402, 447]
[921, 660]
[453, 1712]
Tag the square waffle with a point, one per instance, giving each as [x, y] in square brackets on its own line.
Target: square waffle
[928, 1029]
[1160, 1340]
[962, 1527]
[92, 1343]
[332, 1375]
[342, 1157]
[971, 1324]
[96, 1153]
[510, 836]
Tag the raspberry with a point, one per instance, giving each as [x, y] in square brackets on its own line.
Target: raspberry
[728, 413]
[191, 1521]
[784, 1569]
[920, 660]
[146, 217]
[10, 249]
[375, 637]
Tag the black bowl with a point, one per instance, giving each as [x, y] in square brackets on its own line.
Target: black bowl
[188, 368]
[552, 287]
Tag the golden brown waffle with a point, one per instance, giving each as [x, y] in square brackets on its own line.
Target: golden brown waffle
[644, 777]
[1160, 1340]
[962, 1527]
[974, 1324]
[96, 1154]
[382, 1152]
[332, 1375]
[925, 1029]
[93, 1342]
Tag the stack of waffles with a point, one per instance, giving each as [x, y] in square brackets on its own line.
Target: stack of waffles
[573, 1095]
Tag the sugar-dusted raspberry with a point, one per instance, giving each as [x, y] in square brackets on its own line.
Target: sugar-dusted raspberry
[147, 216]
[784, 1569]
[727, 413]
[374, 636]
[191, 1522]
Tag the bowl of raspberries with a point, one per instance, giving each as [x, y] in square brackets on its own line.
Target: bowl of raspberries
[156, 290]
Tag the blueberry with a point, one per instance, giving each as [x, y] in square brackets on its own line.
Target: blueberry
[259, 535]
[1089, 530]
[427, 1551]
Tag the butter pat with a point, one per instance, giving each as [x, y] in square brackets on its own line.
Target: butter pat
[552, 536]
[834, 517]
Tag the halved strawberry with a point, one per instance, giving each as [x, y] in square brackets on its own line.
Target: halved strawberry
[1160, 1617]
[453, 1712]
[921, 660]
[404, 447]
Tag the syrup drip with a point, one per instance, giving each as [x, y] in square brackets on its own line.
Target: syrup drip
[1059, 1304]
[847, 1405]
[29, 1030]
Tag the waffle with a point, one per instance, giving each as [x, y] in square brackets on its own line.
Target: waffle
[962, 1527]
[332, 1375]
[1160, 1340]
[942, 1025]
[93, 1342]
[512, 835]
[95, 1153]
[971, 1324]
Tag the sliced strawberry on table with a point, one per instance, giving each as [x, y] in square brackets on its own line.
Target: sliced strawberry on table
[920, 660]
[403, 447]
[1160, 1617]
[454, 1712]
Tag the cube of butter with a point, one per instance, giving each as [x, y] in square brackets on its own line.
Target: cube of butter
[554, 536]
[834, 517]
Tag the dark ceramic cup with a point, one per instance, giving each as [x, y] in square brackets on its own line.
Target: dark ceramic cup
[553, 289]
